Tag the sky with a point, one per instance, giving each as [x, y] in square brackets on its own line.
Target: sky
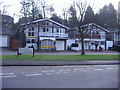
[57, 4]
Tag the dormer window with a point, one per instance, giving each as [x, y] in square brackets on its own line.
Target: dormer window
[32, 28]
[43, 29]
[47, 29]
[57, 30]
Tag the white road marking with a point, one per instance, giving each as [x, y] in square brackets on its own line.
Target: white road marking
[109, 68]
[48, 73]
[85, 70]
[98, 69]
[77, 69]
[33, 74]
[61, 70]
[7, 76]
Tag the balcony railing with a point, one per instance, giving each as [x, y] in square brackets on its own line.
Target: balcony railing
[53, 34]
[94, 36]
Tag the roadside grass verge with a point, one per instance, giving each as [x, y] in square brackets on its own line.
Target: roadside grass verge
[60, 57]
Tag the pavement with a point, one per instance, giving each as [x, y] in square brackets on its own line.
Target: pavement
[59, 63]
[56, 63]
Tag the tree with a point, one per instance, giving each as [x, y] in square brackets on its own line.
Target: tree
[72, 18]
[46, 8]
[107, 16]
[89, 16]
[112, 16]
[65, 16]
[3, 8]
[83, 29]
[25, 13]
[56, 18]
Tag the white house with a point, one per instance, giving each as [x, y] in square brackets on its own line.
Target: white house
[96, 36]
[46, 34]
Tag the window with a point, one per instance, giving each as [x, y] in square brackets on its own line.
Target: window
[97, 32]
[102, 43]
[52, 30]
[57, 30]
[60, 30]
[30, 33]
[93, 33]
[32, 28]
[47, 29]
[43, 29]
[33, 40]
[29, 29]
[28, 40]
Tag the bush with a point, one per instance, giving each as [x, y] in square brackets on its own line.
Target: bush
[116, 48]
[74, 45]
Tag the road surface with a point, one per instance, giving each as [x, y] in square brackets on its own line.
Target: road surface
[84, 76]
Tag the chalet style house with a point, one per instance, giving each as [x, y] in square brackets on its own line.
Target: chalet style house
[96, 36]
[46, 34]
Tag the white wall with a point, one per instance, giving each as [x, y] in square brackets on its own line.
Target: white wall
[4, 42]
[70, 42]
[109, 44]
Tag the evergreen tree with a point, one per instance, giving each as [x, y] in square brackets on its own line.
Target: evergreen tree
[72, 18]
[112, 16]
[56, 18]
[107, 17]
[89, 16]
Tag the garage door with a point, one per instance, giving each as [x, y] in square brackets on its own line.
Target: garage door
[59, 45]
[4, 41]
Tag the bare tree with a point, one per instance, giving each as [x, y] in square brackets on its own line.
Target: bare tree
[3, 8]
[65, 16]
[46, 8]
[82, 28]
[25, 13]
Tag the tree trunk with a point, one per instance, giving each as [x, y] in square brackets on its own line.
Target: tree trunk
[82, 47]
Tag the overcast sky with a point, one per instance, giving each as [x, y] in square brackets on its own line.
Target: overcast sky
[57, 4]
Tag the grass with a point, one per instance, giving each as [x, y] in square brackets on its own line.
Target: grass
[60, 57]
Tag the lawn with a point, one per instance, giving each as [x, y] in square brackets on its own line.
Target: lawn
[60, 57]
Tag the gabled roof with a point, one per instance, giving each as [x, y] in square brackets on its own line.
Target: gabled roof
[94, 25]
[100, 27]
[47, 19]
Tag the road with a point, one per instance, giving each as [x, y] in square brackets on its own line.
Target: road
[84, 76]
